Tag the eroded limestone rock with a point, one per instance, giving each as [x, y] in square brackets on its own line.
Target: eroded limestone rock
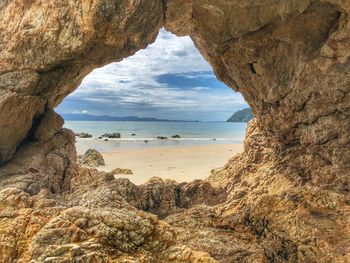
[286, 198]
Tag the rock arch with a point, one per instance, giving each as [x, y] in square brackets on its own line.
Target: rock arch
[289, 190]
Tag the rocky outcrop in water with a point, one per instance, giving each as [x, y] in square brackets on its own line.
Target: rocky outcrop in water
[113, 135]
[286, 198]
[83, 135]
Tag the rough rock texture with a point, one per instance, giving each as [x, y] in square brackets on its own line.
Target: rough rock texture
[287, 58]
[122, 171]
[91, 158]
[47, 161]
[47, 48]
[203, 229]
[52, 211]
[203, 192]
[290, 60]
[91, 222]
[165, 197]
[285, 199]
[293, 220]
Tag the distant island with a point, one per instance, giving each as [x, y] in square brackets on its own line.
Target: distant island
[88, 117]
[244, 115]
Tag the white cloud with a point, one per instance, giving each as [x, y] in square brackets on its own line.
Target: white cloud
[142, 68]
[133, 81]
[80, 112]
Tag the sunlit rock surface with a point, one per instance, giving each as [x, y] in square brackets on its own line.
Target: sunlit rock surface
[48, 47]
[91, 158]
[285, 199]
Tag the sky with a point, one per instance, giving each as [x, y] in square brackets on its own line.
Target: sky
[169, 79]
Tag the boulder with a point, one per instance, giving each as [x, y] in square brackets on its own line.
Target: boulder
[113, 135]
[83, 135]
[92, 158]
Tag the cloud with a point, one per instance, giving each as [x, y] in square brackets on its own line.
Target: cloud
[79, 112]
[169, 77]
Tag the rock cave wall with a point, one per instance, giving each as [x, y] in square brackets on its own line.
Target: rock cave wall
[48, 47]
[286, 197]
[289, 59]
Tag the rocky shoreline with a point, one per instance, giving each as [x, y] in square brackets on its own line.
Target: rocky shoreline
[284, 199]
[117, 135]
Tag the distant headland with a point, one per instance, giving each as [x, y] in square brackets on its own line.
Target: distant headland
[244, 115]
[89, 117]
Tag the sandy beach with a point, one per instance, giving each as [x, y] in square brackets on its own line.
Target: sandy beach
[182, 163]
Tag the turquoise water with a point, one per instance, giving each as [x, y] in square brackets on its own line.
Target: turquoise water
[191, 133]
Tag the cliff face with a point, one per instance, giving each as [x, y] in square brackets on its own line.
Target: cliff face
[244, 115]
[286, 197]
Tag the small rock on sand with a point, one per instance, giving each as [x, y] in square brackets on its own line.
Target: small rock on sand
[91, 158]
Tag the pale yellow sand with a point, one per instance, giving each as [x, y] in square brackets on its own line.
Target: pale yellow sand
[182, 163]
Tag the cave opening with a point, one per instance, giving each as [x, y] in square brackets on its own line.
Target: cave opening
[284, 199]
[159, 113]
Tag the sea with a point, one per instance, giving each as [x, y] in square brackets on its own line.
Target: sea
[146, 133]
